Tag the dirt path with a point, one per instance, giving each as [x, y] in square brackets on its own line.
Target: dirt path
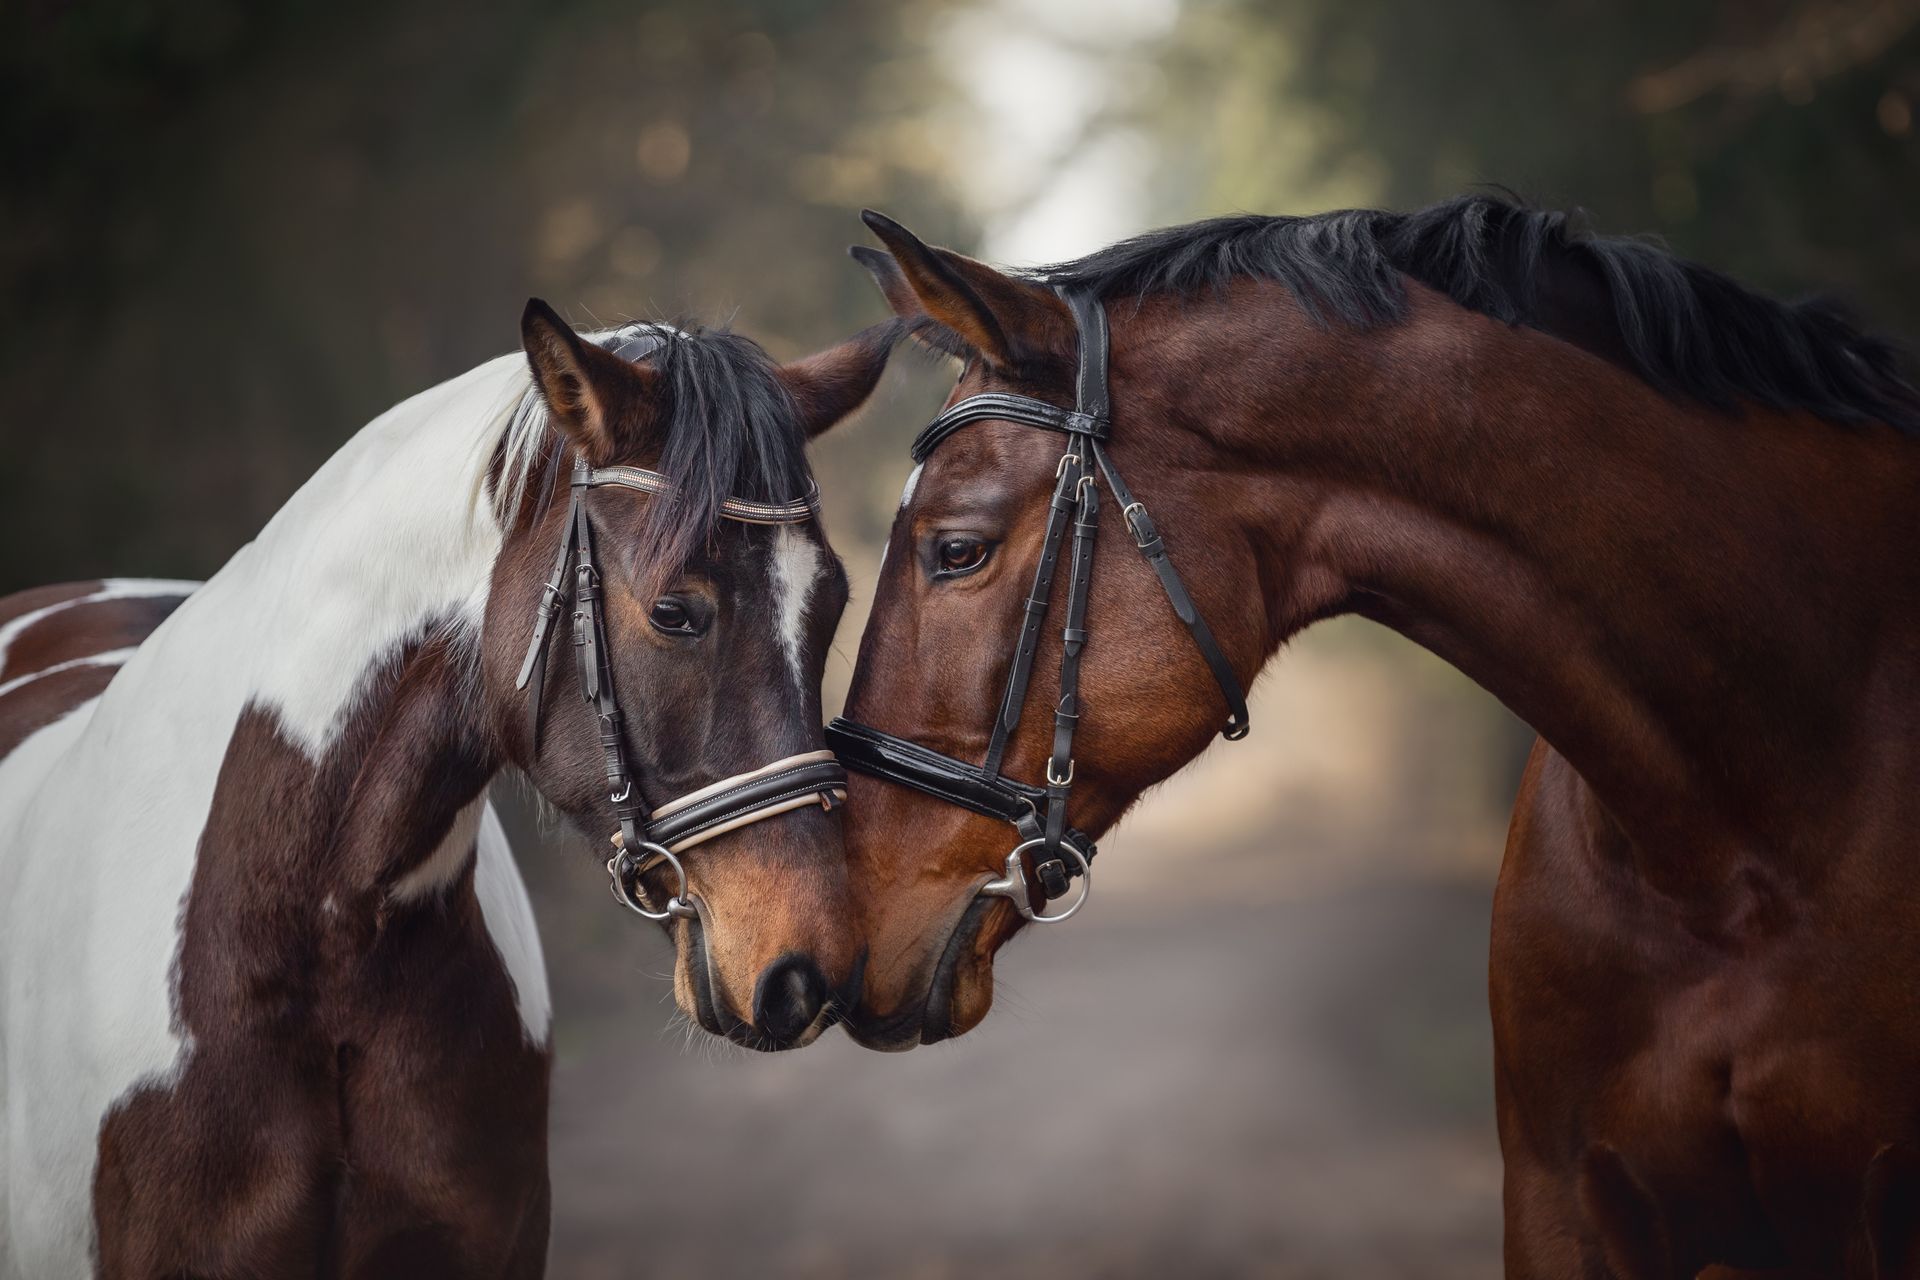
[1286, 1089]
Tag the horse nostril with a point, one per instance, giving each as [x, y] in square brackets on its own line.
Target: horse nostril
[788, 998]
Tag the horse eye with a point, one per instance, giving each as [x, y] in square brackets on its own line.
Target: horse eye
[960, 555]
[671, 617]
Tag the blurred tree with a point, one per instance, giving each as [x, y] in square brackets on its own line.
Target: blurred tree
[233, 233]
[1773, 139]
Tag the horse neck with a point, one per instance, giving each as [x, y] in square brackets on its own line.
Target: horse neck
[330, 663]
[1702, 612]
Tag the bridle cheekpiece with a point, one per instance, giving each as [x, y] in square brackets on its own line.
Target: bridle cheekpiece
[1039, 812]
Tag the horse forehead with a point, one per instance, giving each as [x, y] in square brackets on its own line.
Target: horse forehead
[797, 566]
[989, 465]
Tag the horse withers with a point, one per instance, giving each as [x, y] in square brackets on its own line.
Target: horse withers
[1668, 521]
[271, 995]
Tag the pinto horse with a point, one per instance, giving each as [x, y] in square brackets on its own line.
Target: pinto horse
[1669, 522]
[291, 1018]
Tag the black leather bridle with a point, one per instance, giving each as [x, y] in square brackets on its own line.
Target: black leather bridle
[646, 838]
[1039, 813]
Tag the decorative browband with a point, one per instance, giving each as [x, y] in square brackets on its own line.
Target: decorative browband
[745, 510]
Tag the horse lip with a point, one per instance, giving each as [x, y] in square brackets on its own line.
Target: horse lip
[707, 1010]
[936, 1023]
[907, 1027]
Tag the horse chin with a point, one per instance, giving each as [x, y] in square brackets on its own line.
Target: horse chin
[956, 992]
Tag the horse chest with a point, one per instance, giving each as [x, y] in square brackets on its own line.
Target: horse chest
[1736, 1062]
[231, 1083]
[384, 1103]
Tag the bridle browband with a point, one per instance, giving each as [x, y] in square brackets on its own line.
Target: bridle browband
[644, 839]
[1039, 813]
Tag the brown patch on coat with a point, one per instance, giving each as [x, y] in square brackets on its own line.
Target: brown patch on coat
[39, 702]
[360, 1092]
[82, 630]
[21, 603]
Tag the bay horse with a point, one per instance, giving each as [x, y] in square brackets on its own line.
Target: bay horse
[273, 997]
[1669, 522]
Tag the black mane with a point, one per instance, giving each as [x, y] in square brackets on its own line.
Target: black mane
[733, 430]
[1682, 327]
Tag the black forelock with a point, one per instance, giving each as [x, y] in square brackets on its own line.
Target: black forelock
[1684, 328]
[732, 430]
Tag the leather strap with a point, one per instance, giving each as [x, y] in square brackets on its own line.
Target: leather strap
[743, 510]
[1066, 712]
[1004, 406]
[553, 597]
[593, 665]
[813, 778]
[1090, 383]
[1146, 537]
[865, 749]
[1014, 700]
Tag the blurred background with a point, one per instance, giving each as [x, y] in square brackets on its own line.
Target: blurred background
[231, 233]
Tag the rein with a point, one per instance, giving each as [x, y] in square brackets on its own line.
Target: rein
[1039, 813]
[644, 838]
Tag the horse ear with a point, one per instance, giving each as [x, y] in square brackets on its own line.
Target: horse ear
[599, 401]
[833, 383]
[1001, 318]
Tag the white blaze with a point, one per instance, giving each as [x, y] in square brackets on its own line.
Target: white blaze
[797, 565]
[906, 496]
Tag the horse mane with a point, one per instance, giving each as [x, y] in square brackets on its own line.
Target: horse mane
[1682, 327]
[731, 429]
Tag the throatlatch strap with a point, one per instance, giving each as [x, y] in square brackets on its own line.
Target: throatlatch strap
[1147, 538]
[553, 597]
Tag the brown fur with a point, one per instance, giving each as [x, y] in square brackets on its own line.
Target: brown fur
[21, 603]
[1707, 930]
[83, 630]
[38, 703]
[343, 1045]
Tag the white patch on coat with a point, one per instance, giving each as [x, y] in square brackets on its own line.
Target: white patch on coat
[449, 858]
[797, 565]
[509, 918]
[906, 496]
